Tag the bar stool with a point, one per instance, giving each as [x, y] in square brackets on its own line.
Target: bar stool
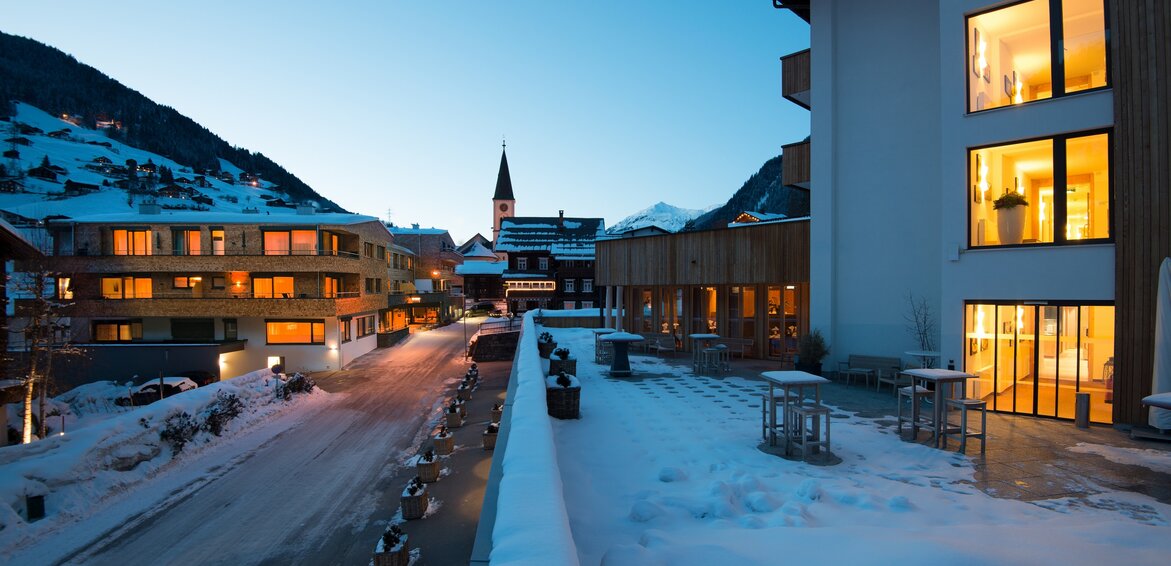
[961, 429]
[915, 394]
[807, 422]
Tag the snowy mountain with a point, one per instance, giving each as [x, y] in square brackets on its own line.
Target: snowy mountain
[663, 215]
[762, 192]
[54, 167]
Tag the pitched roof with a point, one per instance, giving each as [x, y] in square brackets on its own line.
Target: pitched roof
[567, 238]
[477, 250]
[503, 180]
[481, 268]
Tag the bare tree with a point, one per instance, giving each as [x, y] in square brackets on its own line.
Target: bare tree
[921, 323]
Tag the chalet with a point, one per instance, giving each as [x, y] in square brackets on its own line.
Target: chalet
[202, 182]
[28, 130]
[278, 203]
[103, 160]
[103, 122]
[19, 140]
[73, 188]
[751, 216]
[11, 186]
[550, 261]
[45, 173]
[11, 154]
[202, 199]
[58, 169]
[226, 177]
[148, 167]
[176, 191]
[60, 134]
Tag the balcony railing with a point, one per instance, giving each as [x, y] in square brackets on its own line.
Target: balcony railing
[795, 165]
[795, 78]
[163, 252]
[220, 296]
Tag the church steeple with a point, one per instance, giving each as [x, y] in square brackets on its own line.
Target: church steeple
[503, 203]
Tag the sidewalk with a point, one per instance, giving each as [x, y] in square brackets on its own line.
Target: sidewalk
[446, 535]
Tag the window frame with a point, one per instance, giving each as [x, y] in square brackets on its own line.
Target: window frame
[366, 326]
[134, 327]
[1056, 42]
[587, 285]
[1059, 142]
[314, 323]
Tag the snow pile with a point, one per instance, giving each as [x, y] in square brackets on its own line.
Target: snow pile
[531, 522]
[1156, 460]
[75, 469]
[667, 471]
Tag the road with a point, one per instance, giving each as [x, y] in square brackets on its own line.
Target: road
[317, 493]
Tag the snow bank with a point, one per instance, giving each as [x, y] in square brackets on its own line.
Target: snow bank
[76, 469]
[532, 526]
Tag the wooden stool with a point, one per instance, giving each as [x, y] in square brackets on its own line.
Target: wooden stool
[806, 436]
[915, 394]
[961, 429]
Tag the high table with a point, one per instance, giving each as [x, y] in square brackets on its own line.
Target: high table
[924, 355]
[787, 381]
[700, 342]
[620, 366]
[938, 378]
[600, 354]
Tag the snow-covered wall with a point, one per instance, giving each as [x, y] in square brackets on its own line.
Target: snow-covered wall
[532, 525]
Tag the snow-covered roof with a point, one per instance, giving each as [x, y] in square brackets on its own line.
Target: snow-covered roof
[753, 216]
[209, 217]
[535, 233]
[402, 249]
[477, 250]
[777, 221]
[415, 230]
[525, 275]
[481, 268]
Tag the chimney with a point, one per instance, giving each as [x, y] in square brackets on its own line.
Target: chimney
[306, 208]
[560, 218]
[146, 207]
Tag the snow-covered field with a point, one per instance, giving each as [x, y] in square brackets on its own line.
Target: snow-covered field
[667, 471]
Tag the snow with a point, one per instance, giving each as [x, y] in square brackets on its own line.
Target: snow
[400, 230]
[479, 250]
[668, 472]
[281, 216]
[481, 268]
[1157, 460]
[665, 216]
[106, 449]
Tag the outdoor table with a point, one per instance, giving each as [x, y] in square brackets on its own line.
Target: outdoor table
[925, 355]
[600, 354]
[787, 381]
[938, 378]
[700, 342]
[620, 365]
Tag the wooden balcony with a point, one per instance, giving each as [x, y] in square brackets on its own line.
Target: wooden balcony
[224, 307]
[795, 78]
[795, 165]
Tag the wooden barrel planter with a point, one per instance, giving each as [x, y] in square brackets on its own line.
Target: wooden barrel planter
[427, 467]
[393, 549]
[490, 436]
[563, 402]
[414, 499]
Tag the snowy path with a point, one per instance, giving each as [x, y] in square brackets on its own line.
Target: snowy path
[316, 492]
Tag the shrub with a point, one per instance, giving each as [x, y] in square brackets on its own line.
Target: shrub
[226, 407]
[392, 538]
[298, 383]
[563, 380]
[1010, 199]
[562, 353]
[178, 430]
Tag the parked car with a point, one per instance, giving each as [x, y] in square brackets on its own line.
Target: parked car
[148, 392]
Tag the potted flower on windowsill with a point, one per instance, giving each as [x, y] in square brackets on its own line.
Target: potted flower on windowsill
[545, 344]
[1010, 216]
[811, 350]
[563, 396]
[427, 466]
[490, 434]
[392, 548]
[414, 499]
[443, 442]
[561, 361]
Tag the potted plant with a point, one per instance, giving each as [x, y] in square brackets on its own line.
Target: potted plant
[414, 499]
[464, 392]
[1010, 216]
[811, 350]
[454, 418]
[497, 411]
[427, 466]
[561, 361]
[392, 548]
[563, 396]
[545, 344]
[474, 371]
[443, 442]
[490, 436]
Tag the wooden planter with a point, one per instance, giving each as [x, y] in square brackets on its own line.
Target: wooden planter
[545, 349]
[443, 446]
[428, 471]
[454, 420]
[414, 506]
[464, 393]
[463, 410]
[496, 415]
[558, 365]
[490, 440]
[401, 556]
[563, 402]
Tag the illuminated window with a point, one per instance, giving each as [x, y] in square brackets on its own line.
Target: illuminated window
[131, 242]
[126, 288]
[64, 288]
[292, 242]
[272, 287]
[185, 241]
[1010, 52]
[184, 282]
[217, 241]
[331, 286]
[1062, 205]
[365, 325]
[343, 329]
[117, 330]
[295, 332]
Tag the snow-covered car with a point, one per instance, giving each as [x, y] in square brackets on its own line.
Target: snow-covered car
[148, 392]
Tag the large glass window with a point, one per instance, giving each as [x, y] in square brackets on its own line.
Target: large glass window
[1011, 52]
[185, 241]
[1020, 194]
[272, 287]
[117, 330]
[131, 242]
[292, 242]
[704, 316]
[1033, 358]
[217, 241]
[126, 288]
[295, 332]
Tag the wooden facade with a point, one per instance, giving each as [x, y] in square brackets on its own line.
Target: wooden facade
[1141, 73]
[796, 78]
[796, 170]
[753, 262]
